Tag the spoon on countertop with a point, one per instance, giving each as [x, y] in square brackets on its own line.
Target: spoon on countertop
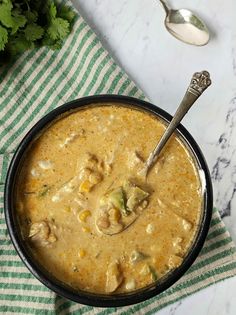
[185, 26]
[199, 83]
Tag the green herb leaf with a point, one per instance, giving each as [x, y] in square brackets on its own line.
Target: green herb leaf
[117, 198]
[18, 20]
[25, 24]
[45, 190]
[31, 16]
[33, 32]
[67, 13]
[19, 44]
[52, 11]
[53, 44]
[5, 13]
[153, 273]
[3, 37]
[58, 29]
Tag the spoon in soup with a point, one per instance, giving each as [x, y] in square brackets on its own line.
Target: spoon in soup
[185, 26]
[125, 204]
[199, 83]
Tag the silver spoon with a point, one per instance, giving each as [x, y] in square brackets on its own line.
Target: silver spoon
[185, 26]
[199, 83]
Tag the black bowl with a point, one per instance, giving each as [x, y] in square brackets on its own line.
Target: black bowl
[81, 296]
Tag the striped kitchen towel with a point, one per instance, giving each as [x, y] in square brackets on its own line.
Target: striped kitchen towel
[37, 82]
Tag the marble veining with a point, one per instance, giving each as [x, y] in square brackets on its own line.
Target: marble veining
[224, 170]
[134, 34]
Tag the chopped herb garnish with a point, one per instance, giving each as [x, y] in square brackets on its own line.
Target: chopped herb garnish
[45, 190]
[29, 193]
[153, 273]
[29, 24]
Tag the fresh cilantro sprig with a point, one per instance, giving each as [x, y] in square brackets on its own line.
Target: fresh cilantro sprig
[26, 24]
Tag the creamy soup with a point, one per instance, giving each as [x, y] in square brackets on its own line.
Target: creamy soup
[88, 216]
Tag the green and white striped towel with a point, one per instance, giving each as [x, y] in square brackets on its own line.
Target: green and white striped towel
[37, 82]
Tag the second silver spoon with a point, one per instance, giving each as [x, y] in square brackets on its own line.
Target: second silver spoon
[185, 26]
[200, 81]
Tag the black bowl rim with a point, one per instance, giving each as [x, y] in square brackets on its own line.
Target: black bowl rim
[85, 297]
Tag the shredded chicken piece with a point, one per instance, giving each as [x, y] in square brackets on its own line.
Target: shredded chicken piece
[114, 277]
[41, 234]
[135, 160]
[69, 187]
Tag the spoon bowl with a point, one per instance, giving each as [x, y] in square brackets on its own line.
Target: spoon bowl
[186, 26]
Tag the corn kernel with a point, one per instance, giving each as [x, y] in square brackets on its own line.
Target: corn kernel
[86, 229]
[67, 209]
[83, 215]
[81, 253]
[85, 186]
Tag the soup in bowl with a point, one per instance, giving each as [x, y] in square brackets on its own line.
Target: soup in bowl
[88, 225]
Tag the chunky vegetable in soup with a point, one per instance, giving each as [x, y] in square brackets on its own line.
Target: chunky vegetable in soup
[87, 215]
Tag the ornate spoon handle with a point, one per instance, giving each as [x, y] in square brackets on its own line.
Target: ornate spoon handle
[199, 83]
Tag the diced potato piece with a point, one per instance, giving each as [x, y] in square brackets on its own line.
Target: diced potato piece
[83, 215]
[150, 228]
[186, 225]
[114, 277]
[56, 198]
[85, 186]
[130, 285]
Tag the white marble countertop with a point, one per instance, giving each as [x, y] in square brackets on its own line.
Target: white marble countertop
[134, 33]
